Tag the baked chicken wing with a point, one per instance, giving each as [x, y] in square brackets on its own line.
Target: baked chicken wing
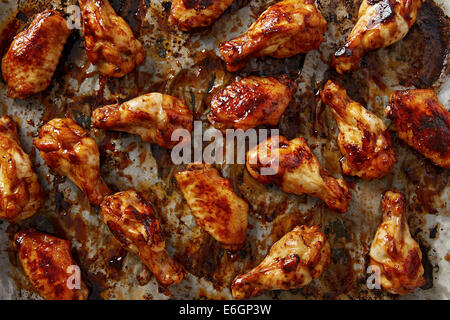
[70, 151]
[422, 122]
[214, 204]
[250, 102]
[110, 43]
[363, 138]
[21, 194]
[295, 260]
[153, 116]
[133, 222]
[49, 265]
[292, 166]
[285, 29]
[394, 251]
[380, 24]
[192, 14]
[30, 62]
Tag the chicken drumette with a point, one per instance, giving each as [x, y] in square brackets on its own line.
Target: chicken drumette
[133, 222]
[70, 151]
[295, 260]
[380, 24]
[153, 116]
[285, 29]
[49, 265]
[394, 251]
[214, 204]
[292, 166]
[110, 43]
[250, 102]
[422, 122]
[192, 14]
[363, 139]
[29, 64]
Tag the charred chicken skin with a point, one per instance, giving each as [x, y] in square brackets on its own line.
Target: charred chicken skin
[21, 194]
[193, 14]
[250, 102]
[215, 205]
[363, 139]
[295, 260]
[70, 151]
[292, 166]
[422, 122]
[380, 24]
[153, 116]
[285, 29]
[49, 265]
[132, 221]
[30, 62]
[110, 43]
[393, 249]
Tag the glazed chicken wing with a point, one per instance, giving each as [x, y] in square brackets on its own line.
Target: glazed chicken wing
[70, 151]
[153, 116]
[133, 222]
[21, 194]
[393, 249]
[295, 260]
[49, 265]
[110, 43]
[214, 204]
[380, 24]
[285, 29]
[422, 122]
[363, 139]
[250, 102]
[192, 14]
[29, 64]
[292, 166]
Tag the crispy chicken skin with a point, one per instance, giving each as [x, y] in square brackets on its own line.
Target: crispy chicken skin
[47, 261]
[285, 29]
[193, 14]
[380, 24]
[110, 43]
[292, 166]
[422, 122]
[250, 102]
[153, 116]
[132, 221]
[393, 249]
[21, 194]
[70, 151]
[214, 204]
[295, 260]
[30, 62]
[363, 139]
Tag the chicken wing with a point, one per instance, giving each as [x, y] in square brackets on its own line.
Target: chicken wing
[394, 251]
[192, 14]
[380, 24]
[110, 43]
[70, 151]
[250, 102]
[295, 260]
[363, 139]
[30, 62]
[133, 222]
[21, 194]
[49, 265]
[422, 122]
[153, 116]
[285, 29]
[214, 204]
